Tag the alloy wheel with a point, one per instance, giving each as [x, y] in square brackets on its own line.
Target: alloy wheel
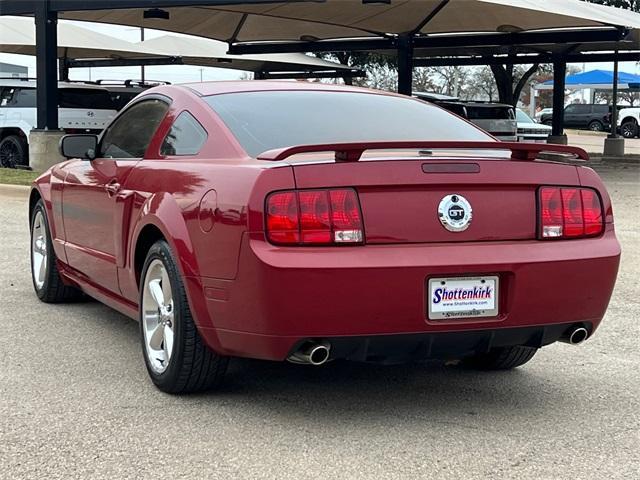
[158, 316]
[627, 130]
[9, 155]
[39, 250]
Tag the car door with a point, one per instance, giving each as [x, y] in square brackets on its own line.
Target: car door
[571, 116]
[91, 189]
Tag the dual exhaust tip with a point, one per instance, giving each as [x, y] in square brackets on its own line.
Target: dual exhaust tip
[311, 353]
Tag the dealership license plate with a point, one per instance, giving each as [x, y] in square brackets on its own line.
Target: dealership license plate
[462, 297]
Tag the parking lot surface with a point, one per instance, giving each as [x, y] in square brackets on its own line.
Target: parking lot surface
[75, 400]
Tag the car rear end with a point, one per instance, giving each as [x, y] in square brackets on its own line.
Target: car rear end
[391, 253]
[84, 109]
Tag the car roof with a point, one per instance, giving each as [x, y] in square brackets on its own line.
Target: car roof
[236, 86]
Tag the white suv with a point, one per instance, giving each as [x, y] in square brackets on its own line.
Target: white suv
[81, 109]
[628, 121]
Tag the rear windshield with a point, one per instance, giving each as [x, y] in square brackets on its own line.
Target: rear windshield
[85, 98]
[490, 113]
[263, 121]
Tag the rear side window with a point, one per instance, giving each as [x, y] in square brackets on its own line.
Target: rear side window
[490, 113]
[18, 97]
[85, 98]
[185, 137]
[601, 109]
[129, 135]
[262, 121]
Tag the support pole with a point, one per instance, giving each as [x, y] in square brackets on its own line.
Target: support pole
[142, 66]
[614, 103]
[405, 64]
[614, 145]
[532, 101]
[557, 125]
[46, 66]
[63, 69]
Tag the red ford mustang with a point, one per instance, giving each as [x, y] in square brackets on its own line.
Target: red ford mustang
[310, 223]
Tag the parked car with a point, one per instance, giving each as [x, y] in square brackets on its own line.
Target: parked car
[529, 130]
[540, 113]
[81, 109]
[628, 121]
[595, 117]
[498, 119]
[248, 219]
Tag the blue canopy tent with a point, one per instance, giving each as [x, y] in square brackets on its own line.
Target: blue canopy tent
[594, 79]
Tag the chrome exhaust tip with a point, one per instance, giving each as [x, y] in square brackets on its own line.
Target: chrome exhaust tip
[575, 336]
[311, 353]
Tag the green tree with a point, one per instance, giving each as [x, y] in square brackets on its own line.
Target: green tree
[633, 5]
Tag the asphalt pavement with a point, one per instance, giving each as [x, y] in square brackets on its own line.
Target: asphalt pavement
[75, 400]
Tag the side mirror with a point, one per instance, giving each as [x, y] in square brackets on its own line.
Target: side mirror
[79, 146]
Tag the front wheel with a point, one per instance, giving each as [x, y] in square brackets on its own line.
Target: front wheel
[177, 359]
[629, 129]
[14, 152]
[503, 358]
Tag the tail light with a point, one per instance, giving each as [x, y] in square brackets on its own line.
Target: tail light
[314, 217]
[569, 212]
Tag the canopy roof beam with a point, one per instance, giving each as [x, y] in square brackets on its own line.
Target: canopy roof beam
[526, 59]
[124, 62]
[436, 41]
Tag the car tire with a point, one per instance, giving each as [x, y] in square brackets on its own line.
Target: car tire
[45, 275]
[175, 355]
[503, 358]
[14, 152]
[596, 126]
[629, 129]
[548, 122]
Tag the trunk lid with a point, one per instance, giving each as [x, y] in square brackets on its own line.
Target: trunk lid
[400, 198]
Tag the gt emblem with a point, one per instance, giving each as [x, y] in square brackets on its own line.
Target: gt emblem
[455, 213]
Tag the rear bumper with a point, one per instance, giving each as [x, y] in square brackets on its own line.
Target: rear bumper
[447, 345]
[285, 295]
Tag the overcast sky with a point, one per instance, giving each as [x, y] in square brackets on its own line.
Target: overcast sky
[181, 73]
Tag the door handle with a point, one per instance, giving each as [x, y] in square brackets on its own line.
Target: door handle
[112, 187]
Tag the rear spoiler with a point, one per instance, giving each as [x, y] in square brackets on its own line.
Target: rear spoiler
[351, 152]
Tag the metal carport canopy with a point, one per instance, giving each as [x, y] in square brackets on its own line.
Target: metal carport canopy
[78, 46]
[268, 26]
[260, 20]
[411, 27]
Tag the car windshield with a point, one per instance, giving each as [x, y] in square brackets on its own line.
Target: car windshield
[263, 121]
[523, 117]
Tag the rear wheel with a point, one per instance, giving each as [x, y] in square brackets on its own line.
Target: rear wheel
[176, 357]
[44, 268]
[503, 358]
[596, 126]
[13, 152]
[629, 129]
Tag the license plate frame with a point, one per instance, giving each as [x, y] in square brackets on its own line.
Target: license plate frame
[453, 308]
